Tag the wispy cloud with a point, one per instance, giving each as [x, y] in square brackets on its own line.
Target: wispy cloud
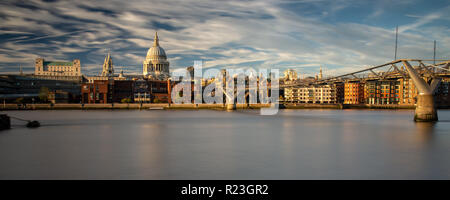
[264, 33]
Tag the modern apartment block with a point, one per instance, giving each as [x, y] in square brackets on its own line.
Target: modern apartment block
[382, 92]
[408, 92]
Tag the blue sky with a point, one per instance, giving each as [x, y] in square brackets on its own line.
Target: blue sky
[340, 35]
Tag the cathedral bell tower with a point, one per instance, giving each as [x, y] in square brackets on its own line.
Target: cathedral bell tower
[108, 69]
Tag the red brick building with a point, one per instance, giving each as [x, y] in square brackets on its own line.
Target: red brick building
[97, 92]
[151, 91]
[159, 91]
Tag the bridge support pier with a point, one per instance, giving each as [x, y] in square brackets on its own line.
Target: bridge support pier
[425, 109]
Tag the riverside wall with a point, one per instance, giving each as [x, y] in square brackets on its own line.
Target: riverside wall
[160, 106]
[150, 106]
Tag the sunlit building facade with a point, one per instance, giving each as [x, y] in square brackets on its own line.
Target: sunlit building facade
[108, 69]
[314, 94]
[57, 68]
[408, 92]
[155, 64]
[290, 75]
[382, 92]
[353, 93]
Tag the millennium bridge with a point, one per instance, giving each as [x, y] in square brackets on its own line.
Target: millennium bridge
[426, 77]
[425, 74]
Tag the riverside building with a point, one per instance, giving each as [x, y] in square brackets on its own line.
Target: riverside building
[354, 93]
[314, 94]
[408, 92]
[382, 92]
[97, 92]
[57, 68]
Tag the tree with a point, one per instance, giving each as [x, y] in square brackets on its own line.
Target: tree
[125, 100]
[43, 94]
[19, 100]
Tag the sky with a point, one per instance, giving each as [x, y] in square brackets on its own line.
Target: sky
[341, 35]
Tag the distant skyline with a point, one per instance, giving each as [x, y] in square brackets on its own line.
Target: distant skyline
[340, 35]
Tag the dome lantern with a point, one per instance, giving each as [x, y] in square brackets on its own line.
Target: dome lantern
[156, 40]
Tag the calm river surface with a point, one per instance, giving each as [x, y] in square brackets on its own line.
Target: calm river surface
[208, 144]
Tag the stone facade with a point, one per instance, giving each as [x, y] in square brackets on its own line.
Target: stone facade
[319, 94]
[57, 68]
[108, 69]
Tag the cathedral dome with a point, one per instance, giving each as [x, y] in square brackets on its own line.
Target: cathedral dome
[156, 52]
[155, 62]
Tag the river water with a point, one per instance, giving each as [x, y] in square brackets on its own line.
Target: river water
[208, 144]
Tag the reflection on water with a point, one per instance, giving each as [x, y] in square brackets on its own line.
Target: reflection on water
[424, 131]
[206, 144]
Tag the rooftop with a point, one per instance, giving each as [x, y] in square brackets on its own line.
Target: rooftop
[57, 63]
